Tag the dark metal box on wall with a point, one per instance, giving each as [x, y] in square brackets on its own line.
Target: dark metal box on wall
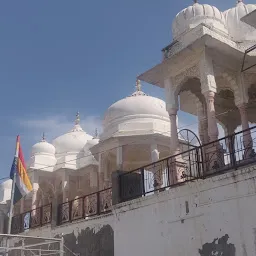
[131, 184]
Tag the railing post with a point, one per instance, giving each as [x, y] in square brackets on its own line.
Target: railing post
[120, 189]
[59, 214]
[62, 246]
[142, 181]
[51, 212]
[168, 172]
[200, 162]
[202, 154]
[83, 210]
[21, 222]
[231, 139]
[41, 215]
[70, 210]
[98, 202]
[30, 219]
[23, 247]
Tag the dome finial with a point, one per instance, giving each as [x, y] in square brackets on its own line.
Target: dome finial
[77, 127]
[138, 85]
[77, 121]
[195, 1]
[138, 91]
[240, 1]
[43, 137]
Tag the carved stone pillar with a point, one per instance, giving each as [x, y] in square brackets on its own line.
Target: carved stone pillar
[174, 145]
[157, 172]
[100, 172]
[212, 121]
[94, 180]
[229, 131]
[34, 198]
[202, 123]
[244, 117]
[214, 154]
[172, 108]
[207, 77]
[175, 163]
[119, 158]
[64, 186]
[105, 171]
[105, 179]
[154, 153]
[247, 138]
[35, 187]
[34, 193]
[208, 89]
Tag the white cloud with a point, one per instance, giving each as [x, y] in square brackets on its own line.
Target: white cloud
[57, 125]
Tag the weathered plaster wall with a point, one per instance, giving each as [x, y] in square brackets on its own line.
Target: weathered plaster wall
[216, 216]
[211, 217]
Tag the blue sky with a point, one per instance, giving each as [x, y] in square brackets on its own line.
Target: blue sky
[61, 56]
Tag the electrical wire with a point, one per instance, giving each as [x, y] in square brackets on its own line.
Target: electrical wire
[101, 152]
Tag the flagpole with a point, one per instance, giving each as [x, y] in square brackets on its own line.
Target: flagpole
[13, 186]
[11, 205]
[12, 196]
[10, 214]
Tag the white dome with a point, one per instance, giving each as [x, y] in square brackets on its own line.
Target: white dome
[238, 30]
[138, 104]
[43, 148]
[73, 141]
[197, 14]
[138, 114]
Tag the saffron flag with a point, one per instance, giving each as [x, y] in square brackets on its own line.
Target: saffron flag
[22, 182]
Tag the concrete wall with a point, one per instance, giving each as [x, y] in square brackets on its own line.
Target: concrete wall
[216, 216]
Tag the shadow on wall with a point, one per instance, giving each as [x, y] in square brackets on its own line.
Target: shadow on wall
[91, 243]
[87, 243]
[219, 247]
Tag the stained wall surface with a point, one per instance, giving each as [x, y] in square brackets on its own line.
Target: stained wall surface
[215, 216]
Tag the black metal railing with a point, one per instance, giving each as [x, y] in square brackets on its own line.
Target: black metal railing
[87, 206]
[32, 219]
[200, 162]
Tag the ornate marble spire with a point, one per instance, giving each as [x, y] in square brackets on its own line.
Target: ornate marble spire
[43, 137]
[77, 121]
[138, 85]
[77, 127]
[138, 91]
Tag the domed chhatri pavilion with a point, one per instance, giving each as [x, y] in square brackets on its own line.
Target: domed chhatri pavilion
[201, 75]
[136, 131]
[201, 69]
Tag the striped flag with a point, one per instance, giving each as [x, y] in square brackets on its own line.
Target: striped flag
[22, 182]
